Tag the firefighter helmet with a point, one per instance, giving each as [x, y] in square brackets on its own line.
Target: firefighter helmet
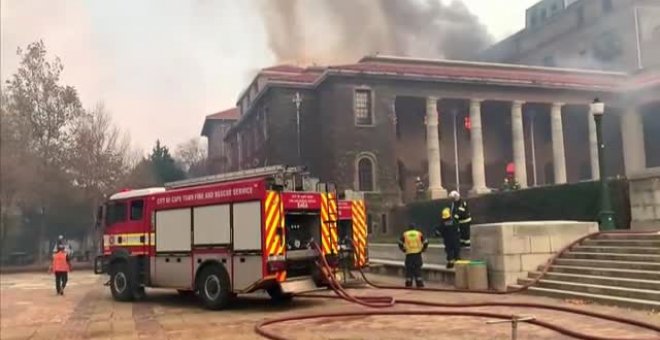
[446, 213]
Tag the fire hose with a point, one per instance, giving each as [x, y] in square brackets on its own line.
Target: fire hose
[386, 301]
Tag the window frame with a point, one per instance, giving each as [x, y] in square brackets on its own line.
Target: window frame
[371, 158]
[370, 106]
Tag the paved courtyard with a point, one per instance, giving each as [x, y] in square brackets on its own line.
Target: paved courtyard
[31, 310]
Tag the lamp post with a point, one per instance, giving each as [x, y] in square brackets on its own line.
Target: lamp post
[297, 99]
[606, 215]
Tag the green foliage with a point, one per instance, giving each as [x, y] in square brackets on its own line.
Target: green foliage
[580, 202]
[164, 167]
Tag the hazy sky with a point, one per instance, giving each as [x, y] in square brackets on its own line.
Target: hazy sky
[160, 66]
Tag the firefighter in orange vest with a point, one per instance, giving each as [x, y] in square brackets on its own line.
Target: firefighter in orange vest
[413, 243]
[61, 267]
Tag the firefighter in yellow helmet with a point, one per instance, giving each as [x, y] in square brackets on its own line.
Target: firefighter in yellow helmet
[448, 229]
[413, 243]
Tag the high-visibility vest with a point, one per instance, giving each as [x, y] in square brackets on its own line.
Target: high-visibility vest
[412, 242]
[60, 263]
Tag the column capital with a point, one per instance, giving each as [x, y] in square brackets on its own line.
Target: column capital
[558, 104]
[476, 100]
[518, 102]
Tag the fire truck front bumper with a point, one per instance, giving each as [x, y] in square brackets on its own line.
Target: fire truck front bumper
[298, 285]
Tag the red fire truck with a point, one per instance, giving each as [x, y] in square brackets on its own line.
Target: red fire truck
[219, 236]
[352, 230]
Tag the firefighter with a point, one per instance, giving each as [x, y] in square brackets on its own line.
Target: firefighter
[60, 267]
[461, 213]
[413, 243]
[448, 229]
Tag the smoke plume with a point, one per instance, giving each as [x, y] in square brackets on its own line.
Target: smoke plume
[335, 31]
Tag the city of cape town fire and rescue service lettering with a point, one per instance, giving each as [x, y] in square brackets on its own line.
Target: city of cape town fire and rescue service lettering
[246, 190]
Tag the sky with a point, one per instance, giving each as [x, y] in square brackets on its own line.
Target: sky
[161, 66]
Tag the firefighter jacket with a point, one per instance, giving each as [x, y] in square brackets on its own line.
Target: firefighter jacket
[61, 262]
[413, 242]
[446, 220]
[460, 211]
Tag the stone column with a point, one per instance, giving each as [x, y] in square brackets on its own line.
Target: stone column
[593, 147]
[558, 155]
[476, 139]
[433, 149]
[518, 135]
[632, 133]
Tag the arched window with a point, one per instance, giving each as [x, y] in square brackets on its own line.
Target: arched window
[365, 173]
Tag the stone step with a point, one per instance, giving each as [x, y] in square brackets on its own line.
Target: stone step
[615, 236]
[617, 250]
[600, 280]
[612, 257]
[622, 243]
[592, 263]
[610, 272]
[602, 299]
[633, 293]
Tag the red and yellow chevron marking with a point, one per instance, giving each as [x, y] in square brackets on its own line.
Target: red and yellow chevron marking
[274, 212]
[329, 224]
[359, 232]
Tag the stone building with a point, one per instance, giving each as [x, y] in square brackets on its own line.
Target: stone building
[376, 125]
[620, 35]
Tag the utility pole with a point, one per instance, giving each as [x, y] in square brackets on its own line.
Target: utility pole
[297, 99]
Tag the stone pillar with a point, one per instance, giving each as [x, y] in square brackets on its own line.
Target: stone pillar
[518, 135]
[476, 139]
[593, 147]
[632, 133]
[433, 149]
[558, 155]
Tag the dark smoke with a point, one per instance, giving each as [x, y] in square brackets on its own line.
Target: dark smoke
[332, 31]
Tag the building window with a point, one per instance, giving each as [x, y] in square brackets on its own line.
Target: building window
[370, 223]
[549, 61]
[362, 107]
[383, 223]
[365, 173]
[607, 6]
[580, 15]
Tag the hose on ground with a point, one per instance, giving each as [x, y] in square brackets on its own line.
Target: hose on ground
[385, 301]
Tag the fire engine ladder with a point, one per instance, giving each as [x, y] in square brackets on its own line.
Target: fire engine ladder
[232, 176]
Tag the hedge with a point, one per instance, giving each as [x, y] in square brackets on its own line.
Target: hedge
[580, 202]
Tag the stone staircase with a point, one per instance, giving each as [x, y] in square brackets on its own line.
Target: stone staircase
[611, 269]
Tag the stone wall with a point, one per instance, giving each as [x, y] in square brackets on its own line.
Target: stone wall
[645, 201]
[512, 249]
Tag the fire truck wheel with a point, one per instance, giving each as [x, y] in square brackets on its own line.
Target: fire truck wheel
[213, 286]
[277, 295]
[120, 284]
[139, 294]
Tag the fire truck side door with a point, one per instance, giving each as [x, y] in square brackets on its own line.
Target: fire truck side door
[247, 258]
[173, 263]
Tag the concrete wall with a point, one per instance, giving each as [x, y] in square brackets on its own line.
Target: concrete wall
[645, 201]
[512, 249]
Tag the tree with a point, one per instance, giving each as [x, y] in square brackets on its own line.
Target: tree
[192, 157]
[47, 110]
[163, 165]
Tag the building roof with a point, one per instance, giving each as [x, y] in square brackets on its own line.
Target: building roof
[229, 115]
[449, 71]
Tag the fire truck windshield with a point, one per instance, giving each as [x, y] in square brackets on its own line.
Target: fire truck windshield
[115, 212]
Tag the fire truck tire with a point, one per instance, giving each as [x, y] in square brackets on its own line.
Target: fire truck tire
[278, 296]
[120, 282]
[139, 294]
[214, 288]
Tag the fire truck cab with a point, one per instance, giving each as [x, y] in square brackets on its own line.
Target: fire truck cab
[221, 235]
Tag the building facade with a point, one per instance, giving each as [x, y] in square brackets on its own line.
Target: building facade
[377, 125]
[618, 35]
